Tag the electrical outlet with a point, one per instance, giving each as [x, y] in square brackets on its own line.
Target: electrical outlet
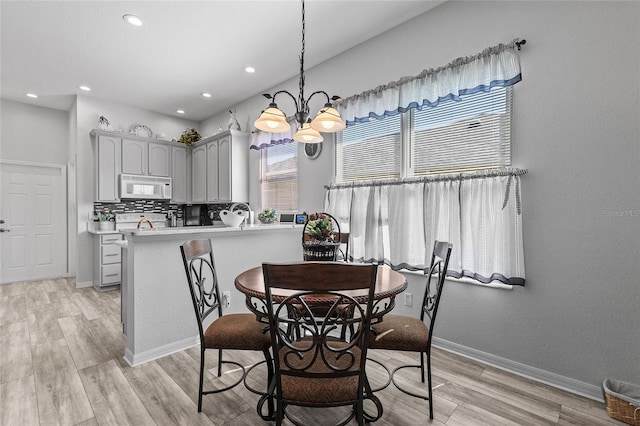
[226, 299]
[408, 299]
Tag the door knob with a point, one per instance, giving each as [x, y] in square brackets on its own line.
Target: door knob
[1, 221]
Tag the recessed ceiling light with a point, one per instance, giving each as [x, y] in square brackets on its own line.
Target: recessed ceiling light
[31, 95]
[180, 111]
[85, 88]
[250, 70]
[206, 94]
[132, 20]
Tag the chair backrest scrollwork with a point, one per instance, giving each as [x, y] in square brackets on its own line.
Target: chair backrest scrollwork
[437, 271]
[202, 279]
[307, 341]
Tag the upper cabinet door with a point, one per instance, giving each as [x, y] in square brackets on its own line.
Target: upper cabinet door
[224, 169]
[179, 175]
[159, 159]
[107, 168]
[134, 157]
[199, 174]
[213, 155]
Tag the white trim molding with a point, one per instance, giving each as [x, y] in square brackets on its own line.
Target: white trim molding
[552, 379]
[159, 352]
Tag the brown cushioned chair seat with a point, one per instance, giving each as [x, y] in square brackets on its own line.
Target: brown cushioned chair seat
[320, 392]
[401, 333]
[237, 331]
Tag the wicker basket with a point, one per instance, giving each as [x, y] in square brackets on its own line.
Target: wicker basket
[320, 250]
[623, 401]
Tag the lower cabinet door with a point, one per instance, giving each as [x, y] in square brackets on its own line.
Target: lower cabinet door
[111, 254]
[111, 274]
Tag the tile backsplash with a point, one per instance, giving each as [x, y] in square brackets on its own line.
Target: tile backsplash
[154, 206]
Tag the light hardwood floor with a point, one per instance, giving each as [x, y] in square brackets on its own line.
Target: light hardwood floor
[61, 363]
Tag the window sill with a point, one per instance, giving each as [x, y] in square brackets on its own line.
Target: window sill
[492, 284]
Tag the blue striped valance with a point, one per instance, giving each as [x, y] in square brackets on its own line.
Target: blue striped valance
[497, 66]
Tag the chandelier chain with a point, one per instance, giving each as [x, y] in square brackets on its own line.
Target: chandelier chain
[302, 103]
[274, 120]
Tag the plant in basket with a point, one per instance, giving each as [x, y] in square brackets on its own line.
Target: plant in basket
[320, 227]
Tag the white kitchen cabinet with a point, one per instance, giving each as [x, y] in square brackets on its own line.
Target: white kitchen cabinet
[214, 169]
[135, 157]
[107, 258]
[180, 174]
[220, 168]
[108, 167]
[145, 158]
[199, 174]
[213, 159]
[159, 159]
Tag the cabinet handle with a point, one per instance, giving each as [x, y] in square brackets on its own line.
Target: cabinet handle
[111, 275]
[114, 254]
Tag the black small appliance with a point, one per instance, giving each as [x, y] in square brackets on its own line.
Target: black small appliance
[195, 215]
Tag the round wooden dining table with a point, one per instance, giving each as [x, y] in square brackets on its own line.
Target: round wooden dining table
[389, 283]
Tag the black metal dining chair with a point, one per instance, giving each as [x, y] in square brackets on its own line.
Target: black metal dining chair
[231, 331]
[343, 251]
[405, 333]
[315, 366]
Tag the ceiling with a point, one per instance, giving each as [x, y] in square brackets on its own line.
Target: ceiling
[184, 48]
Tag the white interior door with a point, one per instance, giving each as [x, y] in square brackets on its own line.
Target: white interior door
[33, 244]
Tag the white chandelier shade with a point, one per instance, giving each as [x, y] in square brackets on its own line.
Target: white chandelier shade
[272, 120]
[328, 120]
[306, 134]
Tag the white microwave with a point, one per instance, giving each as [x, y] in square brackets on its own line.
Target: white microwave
[145, 187]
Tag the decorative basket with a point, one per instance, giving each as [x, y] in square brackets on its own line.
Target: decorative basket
[320, 250]
[623, 401]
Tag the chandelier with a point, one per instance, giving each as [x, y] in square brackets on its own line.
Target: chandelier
[327, 120]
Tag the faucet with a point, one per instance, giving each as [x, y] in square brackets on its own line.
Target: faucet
[141, 221]
[246, 216]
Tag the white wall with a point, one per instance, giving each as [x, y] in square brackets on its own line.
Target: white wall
[577, 118]
[37, 135]
[121, 117]
[32, 133]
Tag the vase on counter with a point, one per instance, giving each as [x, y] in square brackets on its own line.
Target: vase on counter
[107, 225]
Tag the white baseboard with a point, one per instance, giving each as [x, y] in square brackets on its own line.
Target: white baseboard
[561, 382]
[150, 355]
[83, 284]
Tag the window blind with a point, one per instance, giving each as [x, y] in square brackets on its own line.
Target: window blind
[471, 134]
[370, 150]
[279, 177]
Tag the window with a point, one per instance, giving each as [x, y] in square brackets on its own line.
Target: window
[456, 136]
[279, 177]
[476, 210]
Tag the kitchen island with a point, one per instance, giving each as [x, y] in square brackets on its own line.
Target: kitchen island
[157, 312]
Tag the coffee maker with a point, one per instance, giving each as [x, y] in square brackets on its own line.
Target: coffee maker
[195, 215]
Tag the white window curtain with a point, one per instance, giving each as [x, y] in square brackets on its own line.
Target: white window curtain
[497, 66]
[396, 222]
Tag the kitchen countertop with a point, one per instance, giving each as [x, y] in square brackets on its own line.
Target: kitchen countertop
[146, 232]
[191, 229]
